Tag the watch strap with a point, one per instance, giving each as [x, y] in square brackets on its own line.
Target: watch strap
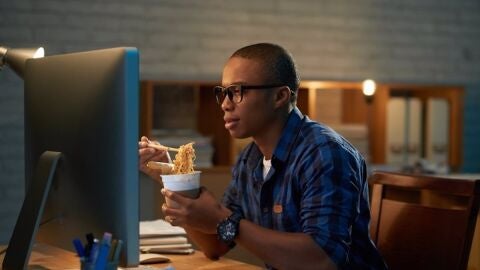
[234, 218]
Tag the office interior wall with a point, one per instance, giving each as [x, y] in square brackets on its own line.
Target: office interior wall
[471, 129]
[431, 41]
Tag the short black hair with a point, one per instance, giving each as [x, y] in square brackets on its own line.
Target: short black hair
[277, 60]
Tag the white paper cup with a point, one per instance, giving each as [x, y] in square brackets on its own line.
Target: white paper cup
[186, 184]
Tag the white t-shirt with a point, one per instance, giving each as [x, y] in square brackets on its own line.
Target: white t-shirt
[267, 164]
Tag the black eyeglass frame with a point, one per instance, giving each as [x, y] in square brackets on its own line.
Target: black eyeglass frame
[227, 91]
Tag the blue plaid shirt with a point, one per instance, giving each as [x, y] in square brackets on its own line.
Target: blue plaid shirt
[317, 185]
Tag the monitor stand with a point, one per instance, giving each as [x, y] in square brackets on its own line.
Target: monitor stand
[21, 242]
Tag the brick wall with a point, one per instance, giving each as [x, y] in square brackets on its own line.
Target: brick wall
[428, 41]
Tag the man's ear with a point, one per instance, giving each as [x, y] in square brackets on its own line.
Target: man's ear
[282, 96]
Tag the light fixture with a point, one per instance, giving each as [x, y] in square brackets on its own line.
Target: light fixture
[16, 58]
[369, 87]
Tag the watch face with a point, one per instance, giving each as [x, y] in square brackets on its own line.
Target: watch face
[227, 230]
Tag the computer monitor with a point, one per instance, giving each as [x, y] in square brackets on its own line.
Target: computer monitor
[84, 106]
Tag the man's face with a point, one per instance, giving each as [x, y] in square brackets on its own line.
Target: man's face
[252, 116]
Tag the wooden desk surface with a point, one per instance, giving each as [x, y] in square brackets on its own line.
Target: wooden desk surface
[49, 257]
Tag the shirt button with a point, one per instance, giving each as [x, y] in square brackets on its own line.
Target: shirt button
[265, 210]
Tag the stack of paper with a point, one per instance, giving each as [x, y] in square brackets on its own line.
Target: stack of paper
[159, 236]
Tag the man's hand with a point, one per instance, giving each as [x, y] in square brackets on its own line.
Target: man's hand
[202, 214]
[146, 154]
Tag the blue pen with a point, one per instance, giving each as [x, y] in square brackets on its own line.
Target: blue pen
[103, 251]
[79, 247]
[93, 252]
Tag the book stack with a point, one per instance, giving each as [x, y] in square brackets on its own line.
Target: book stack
[159, 236]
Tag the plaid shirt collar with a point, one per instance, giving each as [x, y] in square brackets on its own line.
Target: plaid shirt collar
[289, 135]
[284, 145]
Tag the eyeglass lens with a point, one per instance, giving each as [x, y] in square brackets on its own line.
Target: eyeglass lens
[234, 93]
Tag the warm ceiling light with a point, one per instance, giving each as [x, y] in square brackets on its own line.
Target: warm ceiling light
[369, 87]
[16, 58]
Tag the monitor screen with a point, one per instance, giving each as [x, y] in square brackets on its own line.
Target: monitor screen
[85, 106]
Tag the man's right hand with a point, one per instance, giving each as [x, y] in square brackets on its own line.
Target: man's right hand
[146, 154]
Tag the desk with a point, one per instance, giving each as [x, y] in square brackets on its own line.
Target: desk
[49, 257]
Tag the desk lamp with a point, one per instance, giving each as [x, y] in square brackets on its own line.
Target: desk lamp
[16, 58]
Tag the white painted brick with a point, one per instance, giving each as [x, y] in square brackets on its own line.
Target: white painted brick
[15, 5]
[15, 34]
[32, 19]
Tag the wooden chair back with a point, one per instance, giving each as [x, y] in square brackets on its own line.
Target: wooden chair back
[423, 222]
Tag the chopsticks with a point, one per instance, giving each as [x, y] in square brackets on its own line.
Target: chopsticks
[162, 147]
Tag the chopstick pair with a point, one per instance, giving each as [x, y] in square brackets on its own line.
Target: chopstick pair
[162, 147]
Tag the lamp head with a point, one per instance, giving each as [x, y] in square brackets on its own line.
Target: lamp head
[369, 87]
[16, 58]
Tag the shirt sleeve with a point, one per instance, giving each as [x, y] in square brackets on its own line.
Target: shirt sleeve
[231, 197]
[330, 185]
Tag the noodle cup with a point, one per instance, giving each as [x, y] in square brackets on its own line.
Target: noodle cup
[187, 185]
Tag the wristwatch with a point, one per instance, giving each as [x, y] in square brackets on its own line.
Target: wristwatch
[227, 229]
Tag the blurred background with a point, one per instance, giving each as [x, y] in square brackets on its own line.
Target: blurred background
[423, 55]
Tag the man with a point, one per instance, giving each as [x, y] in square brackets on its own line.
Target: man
[299, 196]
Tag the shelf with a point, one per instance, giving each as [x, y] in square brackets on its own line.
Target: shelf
[191, 105]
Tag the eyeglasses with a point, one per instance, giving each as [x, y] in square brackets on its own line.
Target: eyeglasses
[235, 91]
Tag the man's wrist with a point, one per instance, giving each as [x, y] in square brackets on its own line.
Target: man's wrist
[228, 228]
[224, 214]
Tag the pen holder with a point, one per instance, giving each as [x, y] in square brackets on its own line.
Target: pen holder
[113, 265]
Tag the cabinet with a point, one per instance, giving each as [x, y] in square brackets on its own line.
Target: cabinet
[439, 104]
[192, 105]
[403, 140]
[436, 113]
[181, 105]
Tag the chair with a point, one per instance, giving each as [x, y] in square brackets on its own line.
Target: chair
[423, 222]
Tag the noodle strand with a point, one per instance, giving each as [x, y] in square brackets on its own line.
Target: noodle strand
[183, 162]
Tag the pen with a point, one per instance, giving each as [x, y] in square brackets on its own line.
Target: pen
[103, 250]
[116, 256]
[113, 247]
[88, 246]
[93, 252]
[78, 247]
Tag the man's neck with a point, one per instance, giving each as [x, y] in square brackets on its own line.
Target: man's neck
[268, 140]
